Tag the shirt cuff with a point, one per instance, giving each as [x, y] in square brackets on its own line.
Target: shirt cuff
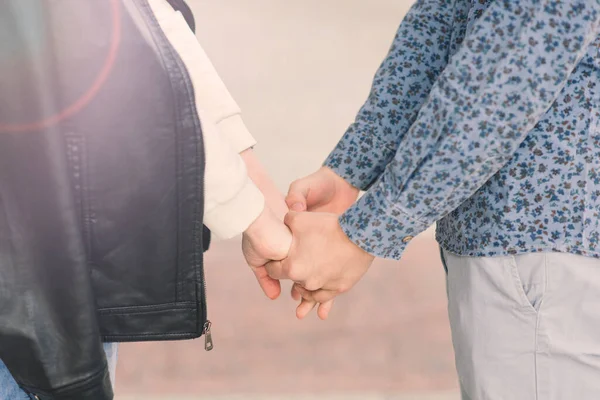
[360, 158]
[230, 219]
[378, 227]
[236, 133]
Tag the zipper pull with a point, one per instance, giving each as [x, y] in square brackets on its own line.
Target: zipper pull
[208, 342]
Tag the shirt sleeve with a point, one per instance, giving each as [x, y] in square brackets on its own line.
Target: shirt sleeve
[231, 200]
[509, 70]
[417, 56]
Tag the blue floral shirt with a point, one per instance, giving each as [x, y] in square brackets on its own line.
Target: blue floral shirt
[485, 118]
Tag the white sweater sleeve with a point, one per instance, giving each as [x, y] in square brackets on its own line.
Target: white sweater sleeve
[231, 200]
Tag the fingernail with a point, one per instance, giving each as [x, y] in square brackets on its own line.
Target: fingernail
[297, 207]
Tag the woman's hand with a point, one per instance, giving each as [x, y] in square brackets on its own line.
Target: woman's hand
[267, 239]
[322, 191]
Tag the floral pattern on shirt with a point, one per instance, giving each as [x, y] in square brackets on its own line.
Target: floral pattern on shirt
[484, 117]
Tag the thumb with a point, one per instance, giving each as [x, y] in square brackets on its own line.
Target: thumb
[296, 199]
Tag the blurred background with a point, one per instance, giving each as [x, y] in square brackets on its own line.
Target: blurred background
[300, 71]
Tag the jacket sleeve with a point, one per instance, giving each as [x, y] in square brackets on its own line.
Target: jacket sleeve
[49, 337]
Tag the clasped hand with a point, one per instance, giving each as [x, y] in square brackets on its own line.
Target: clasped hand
[313, 251]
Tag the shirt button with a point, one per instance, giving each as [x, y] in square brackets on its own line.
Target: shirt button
[407, 239]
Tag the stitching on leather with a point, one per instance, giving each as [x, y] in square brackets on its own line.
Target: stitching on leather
[152, 307]
[151, 336]
[80, 385]
[146, 312]
[161, 42]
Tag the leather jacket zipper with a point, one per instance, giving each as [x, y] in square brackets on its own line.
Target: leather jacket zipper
[208, 342]
[182, 7]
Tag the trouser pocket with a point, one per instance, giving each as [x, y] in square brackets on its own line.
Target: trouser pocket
[444, 264]
[493, 327]
[529, 277]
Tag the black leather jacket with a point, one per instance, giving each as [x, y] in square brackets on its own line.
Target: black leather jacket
[101, 191]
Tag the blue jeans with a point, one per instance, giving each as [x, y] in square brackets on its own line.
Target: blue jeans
[9, 390]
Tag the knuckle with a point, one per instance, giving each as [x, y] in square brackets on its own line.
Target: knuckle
[294, 186]
[296, 189]
[323, 297]
[312, 285]
[344, 287]
[291, 218]
[294, 273]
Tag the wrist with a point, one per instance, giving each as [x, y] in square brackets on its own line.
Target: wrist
[230, 217]
[257, 173]
[362, 252]
[346, 156]
[265, 221]
[340, 180]
[270, 235]
[378, 227]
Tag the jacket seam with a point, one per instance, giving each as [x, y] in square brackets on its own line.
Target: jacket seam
[86, 383]
[148, 334]
[144, 312]
[200, 165]
[83, 384]
[164, 48]
[198, 206]
[152, 307]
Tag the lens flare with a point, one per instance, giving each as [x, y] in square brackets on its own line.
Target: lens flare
[89, 95]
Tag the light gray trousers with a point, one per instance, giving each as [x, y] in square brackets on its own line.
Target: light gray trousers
[526, 327]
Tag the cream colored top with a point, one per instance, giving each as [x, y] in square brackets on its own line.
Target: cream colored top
[231, 200]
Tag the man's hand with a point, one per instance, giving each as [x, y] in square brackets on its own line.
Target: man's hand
[323, 191]
[265, 240]
[322, 261]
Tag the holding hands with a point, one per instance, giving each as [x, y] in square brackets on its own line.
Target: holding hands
[323, 191]
[317, 256]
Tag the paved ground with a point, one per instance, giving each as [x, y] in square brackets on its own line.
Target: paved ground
[300, 71]
[362, 396]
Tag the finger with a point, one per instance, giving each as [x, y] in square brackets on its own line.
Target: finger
[295, 293]
[297, 196]
[271, 287]
[275, 269]
[293, 270]
[305, 307]
[291, 220]
[325, 309]
[304, 293]
[318, 296]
